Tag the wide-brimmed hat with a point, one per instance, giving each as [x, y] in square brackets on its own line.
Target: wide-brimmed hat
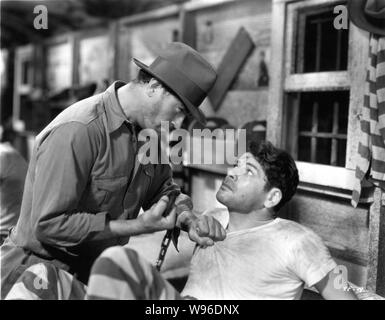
[184, 72]
[368, 15]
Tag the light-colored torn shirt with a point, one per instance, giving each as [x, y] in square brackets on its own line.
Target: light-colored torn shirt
[272, 261]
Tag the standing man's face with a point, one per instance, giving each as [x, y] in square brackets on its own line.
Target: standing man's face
[164, 106]
[243, 189]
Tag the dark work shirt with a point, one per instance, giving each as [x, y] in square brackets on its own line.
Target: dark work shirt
[80, 174]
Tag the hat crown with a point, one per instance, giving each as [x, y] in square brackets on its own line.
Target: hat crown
[368, 15]
[375, 8]
[184, 72]
[191, 64]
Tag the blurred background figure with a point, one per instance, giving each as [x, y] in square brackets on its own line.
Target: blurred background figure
[13, 169]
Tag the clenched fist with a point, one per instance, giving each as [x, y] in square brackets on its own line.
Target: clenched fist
[205, 230]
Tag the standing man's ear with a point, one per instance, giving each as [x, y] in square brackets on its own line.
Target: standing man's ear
[274, 196]
[153, 83]
[152, 86]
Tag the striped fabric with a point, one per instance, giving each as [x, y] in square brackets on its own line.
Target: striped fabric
[121, 274]
[370, 166]
[44, 281]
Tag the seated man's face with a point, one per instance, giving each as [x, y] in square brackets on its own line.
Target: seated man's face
[243, 189]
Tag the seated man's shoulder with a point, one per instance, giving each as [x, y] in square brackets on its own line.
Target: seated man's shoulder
[297, 232]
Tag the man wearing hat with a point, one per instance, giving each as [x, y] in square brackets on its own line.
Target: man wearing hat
[368, 15]
[85, 185]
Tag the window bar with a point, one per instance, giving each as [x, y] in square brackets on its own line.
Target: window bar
[318, 47]
[333, 155]
[294, 124]
[301, 44]
[338, 55]
[314, 131]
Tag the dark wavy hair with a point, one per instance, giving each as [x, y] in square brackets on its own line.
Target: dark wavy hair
[279, 167]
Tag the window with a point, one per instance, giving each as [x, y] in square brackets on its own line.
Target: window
[320, 46]
[321, 132]
[317, 86]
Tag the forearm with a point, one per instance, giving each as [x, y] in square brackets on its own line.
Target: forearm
[122, 228]
[333, 288]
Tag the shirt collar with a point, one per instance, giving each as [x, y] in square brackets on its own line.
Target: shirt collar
[114, 111]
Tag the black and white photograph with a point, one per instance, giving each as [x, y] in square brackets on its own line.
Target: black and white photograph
[199, 152]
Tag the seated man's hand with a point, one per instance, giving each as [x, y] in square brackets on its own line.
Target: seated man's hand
[205, 230]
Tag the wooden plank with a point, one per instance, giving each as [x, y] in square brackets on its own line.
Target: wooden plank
[236, 55]
[357, 60]
[188, 30]
[376, 265]
[342, 227]
[150, 16]
[328, 176]
[322, 135]
[318, 81]
[205, 4]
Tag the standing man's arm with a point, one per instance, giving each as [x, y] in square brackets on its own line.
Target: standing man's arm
[63, 167]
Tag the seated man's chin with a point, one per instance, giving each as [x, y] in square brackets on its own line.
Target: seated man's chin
[221, 197]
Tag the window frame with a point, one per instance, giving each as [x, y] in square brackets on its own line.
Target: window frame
[320, 177]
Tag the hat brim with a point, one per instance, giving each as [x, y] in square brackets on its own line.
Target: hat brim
[357, 16]
[194, 110]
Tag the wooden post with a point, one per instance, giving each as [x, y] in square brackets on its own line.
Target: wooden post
[376, 264]
[113, 35]
[277, 69]
[75, 58]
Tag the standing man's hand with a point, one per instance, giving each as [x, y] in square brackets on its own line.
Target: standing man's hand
[152, 220]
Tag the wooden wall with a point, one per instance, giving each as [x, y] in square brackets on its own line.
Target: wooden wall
[143, 41]
[344, 230]
[245, 100]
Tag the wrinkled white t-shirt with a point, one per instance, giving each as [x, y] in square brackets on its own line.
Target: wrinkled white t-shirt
[272, 261]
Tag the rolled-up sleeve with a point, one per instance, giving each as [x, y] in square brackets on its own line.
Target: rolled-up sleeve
[63, 166]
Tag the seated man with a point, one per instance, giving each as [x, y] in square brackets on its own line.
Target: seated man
[262, 257]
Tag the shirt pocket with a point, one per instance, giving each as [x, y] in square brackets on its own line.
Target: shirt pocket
[109, 192]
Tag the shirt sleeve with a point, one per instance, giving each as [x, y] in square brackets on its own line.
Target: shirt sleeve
[311, 259]
[63, 165]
